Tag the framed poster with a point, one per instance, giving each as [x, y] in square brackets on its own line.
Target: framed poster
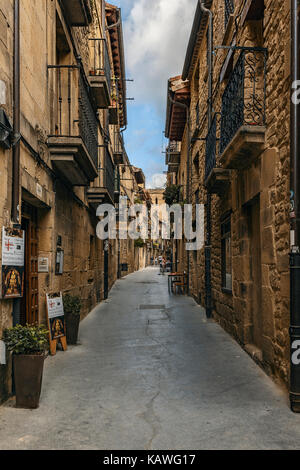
[56, 316]
[13, 261]
[43, 265]
[56, 321]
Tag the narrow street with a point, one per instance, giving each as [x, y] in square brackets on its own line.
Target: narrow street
[152, 373]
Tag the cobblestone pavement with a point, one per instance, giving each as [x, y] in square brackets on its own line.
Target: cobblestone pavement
[151, 373]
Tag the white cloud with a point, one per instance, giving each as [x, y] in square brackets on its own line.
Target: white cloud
[156, 37]
[157, 181]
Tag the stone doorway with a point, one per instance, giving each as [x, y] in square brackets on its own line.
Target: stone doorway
[256, 272]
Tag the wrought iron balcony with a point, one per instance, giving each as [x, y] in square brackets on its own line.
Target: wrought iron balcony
[244, 110]
[77, 12]
[100, 73]
[117, 185]
[73, 139]
[118, 148]
[173, 152]
[211, 148]
[229, 9]
[114, 108]
[217, 179]
[104, 189]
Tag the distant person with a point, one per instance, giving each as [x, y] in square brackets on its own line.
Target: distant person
[168, 266]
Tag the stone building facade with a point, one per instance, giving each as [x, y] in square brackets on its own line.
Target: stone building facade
[235, 161]
[72, 108]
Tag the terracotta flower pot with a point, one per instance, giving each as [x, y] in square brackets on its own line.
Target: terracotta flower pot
[72, 328]
[28, 374]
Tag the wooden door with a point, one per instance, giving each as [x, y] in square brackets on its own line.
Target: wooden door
[256, 273]
[30, 302]
[106, 272]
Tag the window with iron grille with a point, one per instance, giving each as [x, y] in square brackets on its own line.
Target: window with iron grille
[226, 254]
[229, 9]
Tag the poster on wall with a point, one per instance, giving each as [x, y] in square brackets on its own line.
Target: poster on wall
[13, 261]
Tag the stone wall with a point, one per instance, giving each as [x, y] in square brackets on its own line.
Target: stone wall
[265, 182]
[65, 217]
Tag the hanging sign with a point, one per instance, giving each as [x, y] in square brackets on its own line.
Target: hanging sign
[13, 260]
[56, 322]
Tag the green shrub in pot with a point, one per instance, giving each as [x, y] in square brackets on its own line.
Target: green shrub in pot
[26, 340]
[28, 345]
[72, 309]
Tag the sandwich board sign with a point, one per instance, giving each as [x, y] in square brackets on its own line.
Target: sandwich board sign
[13, 262]
[56, 322]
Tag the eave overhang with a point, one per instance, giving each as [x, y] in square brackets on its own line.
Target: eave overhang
[178, 91]
[114, 17]
[197, 34]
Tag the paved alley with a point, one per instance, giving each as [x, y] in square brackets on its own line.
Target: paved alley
[151, 373]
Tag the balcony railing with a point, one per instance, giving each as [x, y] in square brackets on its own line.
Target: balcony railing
[88, 122]
[118, 143]
[229, 9]
[99, 60]
[244, 99]
[109, 175]
[117, 182]
[211, 148]
[71, 109]
[173, 153]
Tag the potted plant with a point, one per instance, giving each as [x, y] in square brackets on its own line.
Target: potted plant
[28, 345]
[72, 308]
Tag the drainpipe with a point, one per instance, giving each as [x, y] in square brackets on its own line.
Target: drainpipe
[295, 217]
[208, 295]
[188, 186]
[16, 117]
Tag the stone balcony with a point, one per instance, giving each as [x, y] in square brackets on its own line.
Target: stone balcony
[106, 188]
[100, 73]
[247, 144]
[70, 157]
[217, 179]
[243, 117]
[73, 139]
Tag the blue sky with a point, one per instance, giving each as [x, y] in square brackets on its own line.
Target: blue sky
[156, 34]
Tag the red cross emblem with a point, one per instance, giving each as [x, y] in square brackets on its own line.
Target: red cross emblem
[9, 245]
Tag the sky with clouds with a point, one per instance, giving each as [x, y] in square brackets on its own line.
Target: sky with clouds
[156, 34]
